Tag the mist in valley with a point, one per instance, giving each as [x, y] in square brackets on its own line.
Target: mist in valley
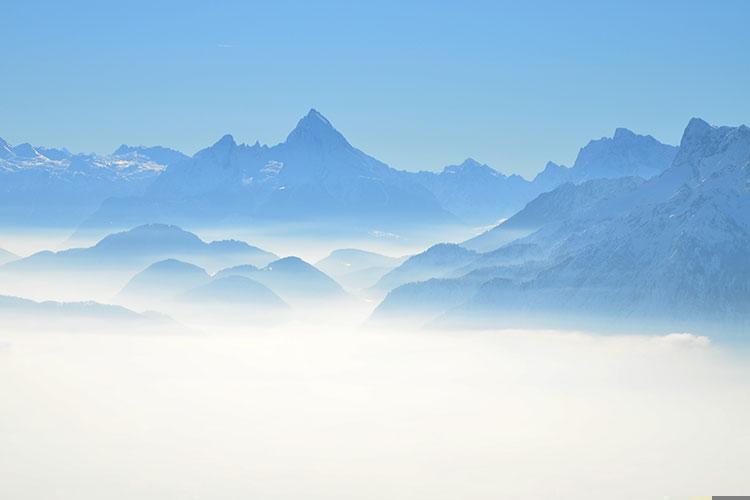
[317, 410]
[173, 399]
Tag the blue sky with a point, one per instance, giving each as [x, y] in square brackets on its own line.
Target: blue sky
[417, 84]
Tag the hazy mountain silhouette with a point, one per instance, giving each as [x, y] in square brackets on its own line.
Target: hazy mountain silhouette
[357, 269]
[234, 291]
[671, 251]
[315, 174]
[296, 281]
[141, 246]
[161, 281]
[28, 314]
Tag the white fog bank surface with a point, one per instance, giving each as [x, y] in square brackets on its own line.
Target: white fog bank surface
[311, 413]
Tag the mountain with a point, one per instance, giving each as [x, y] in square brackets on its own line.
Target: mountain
[552, 176]
[6, 256]
[417, 303]
[436, 261]
[158, 154]
[477, 193]
[296, 281]
[142, 246]
[625, 154]
[667, 253]
[315, 178]
[565, 202]
[314, 175]
[6, 150]
[233, 291]
[245, 270]
[161, 281]
[357, 269]
[53, 187]
[56, 316]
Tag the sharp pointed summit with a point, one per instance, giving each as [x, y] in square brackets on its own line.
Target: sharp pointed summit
[314, 128]
[221, 149]
[471, 163]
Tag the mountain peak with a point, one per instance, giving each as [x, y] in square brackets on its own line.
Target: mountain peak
[25, 150]
[470, 163]
[314, 114]
[220, 150]
[151, 236]
[123, 150]
[696, 127]
[225, 141]
[623, 133]
[314, 128]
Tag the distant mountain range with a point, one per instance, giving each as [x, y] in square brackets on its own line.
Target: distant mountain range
[141, 246]
[671, 251]
[162, 281]
[165, 265]
[102, 269]
[314, 177]
[635, 232]
[57, 316]
[357, 269]
[55, 188]
[625, 154]
[238, 293]
[294, 280]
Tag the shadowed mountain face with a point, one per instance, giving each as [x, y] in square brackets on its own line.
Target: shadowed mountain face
[671, 251]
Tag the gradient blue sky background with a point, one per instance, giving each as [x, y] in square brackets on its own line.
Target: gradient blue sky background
[417, 84]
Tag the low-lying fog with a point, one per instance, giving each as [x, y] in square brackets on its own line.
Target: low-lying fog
[309, 404]
[336, 412]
